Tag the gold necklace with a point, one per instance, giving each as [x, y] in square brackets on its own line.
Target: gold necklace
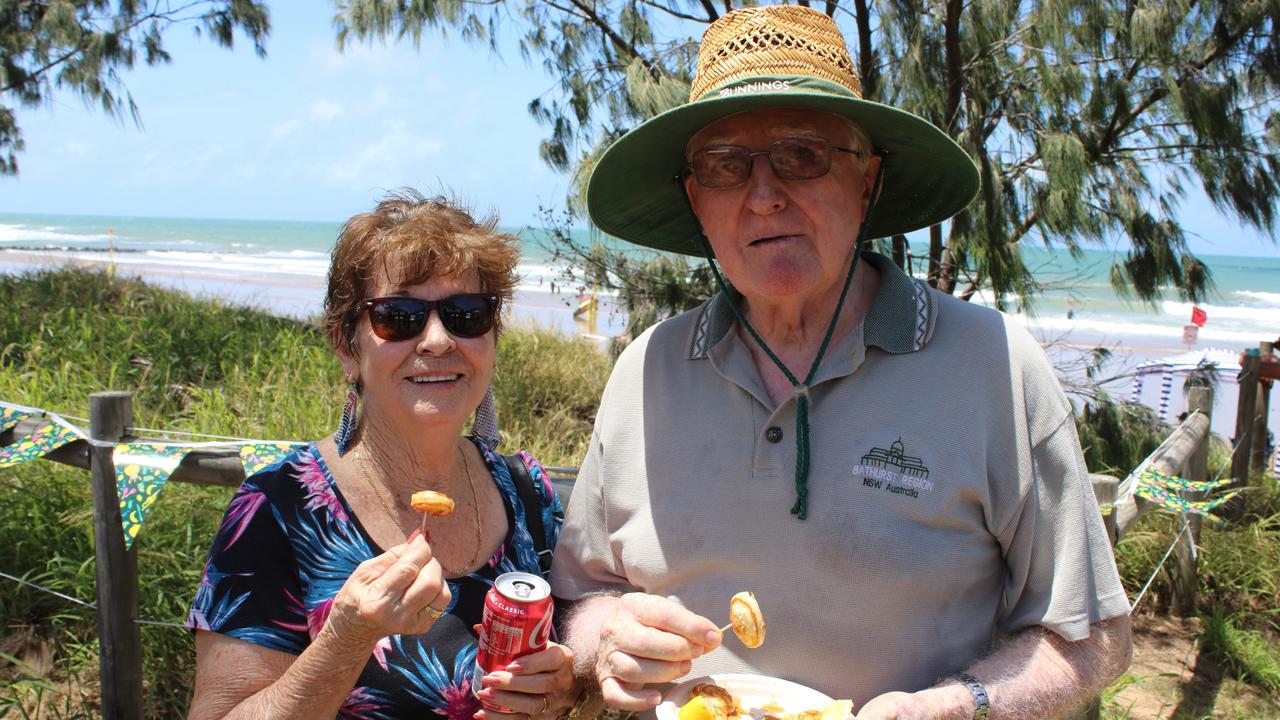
[395, 518]
[475, 503]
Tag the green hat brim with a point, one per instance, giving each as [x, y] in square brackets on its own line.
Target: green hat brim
[634, 192]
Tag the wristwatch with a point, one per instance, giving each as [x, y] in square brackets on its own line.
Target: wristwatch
[982, 704]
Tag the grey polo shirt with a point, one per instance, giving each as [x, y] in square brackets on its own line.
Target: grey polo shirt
[948, 498]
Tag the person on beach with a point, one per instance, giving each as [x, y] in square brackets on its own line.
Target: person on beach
[894, 472]
[321, 597]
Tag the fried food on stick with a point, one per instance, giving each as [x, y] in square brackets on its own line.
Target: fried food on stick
[747, 619]
[433, 503]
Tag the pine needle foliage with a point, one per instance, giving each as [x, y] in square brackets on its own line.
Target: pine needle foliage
[83, 47]
[1088, 119]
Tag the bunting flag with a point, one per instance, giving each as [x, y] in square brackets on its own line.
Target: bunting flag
[141, 472]
[12, 416]
[43, 441]
[256, 456]
[1165, 491]
[141, 468]
[1173, 482]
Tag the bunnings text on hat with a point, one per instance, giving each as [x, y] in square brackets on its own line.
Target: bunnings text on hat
[762, 86]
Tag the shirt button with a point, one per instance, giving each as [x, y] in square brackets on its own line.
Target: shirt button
[773, 434]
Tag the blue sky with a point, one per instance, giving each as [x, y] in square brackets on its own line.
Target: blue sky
[310, 133]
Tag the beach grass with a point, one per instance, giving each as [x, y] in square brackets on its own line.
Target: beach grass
[196, 366]
[202, 366]
[1248, 654]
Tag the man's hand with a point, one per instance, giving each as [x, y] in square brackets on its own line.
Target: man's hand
[892, 706]
[938, 703]
[648, 639]
[1031, 675]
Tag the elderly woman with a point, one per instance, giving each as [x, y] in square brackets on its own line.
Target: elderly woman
[321, 598]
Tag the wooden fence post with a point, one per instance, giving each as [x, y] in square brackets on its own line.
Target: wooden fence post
[119, 639]
[1185, 578]
[1104, 491]
[1246, 408]
[1258, 458]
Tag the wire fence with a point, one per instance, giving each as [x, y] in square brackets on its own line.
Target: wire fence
[557, 473]
[1184, 531]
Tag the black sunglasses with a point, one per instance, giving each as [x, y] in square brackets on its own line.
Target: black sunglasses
[793, 158]
[465, 315]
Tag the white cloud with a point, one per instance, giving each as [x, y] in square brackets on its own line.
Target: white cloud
[434, 84]
[395, 150]
[178, 165]
[73, 150]
[325, 110]
[285, 129]
[380, 96]
[363, 58]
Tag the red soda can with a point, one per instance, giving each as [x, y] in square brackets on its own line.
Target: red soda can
[516, 622]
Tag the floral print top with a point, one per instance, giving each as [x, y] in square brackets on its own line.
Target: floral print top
[288, 542]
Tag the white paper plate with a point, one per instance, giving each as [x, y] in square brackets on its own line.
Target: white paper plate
[751, 691]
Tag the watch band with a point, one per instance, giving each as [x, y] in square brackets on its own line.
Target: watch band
[982, 703]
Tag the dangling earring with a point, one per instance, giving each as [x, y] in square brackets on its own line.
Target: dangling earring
[348, 422]
[485, 425]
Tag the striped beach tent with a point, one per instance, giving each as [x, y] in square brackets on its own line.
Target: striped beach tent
[1178, 367]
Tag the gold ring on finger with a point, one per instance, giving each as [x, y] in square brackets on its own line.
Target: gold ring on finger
[434, 613]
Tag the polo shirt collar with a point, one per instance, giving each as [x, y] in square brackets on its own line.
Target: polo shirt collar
[901, 318]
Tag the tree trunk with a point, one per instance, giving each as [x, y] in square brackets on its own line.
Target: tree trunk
[942, 262]
[947, 273]
[955, 65]
[866, 56]
[900, 252]
[935, 255]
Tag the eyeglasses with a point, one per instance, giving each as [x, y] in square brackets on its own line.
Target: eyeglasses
[792, 158]
[465, 315]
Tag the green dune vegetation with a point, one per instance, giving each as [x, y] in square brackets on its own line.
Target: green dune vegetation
[200, 366]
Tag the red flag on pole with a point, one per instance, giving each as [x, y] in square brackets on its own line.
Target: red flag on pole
[1198, 316]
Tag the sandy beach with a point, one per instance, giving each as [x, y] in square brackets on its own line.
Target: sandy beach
[301, 296]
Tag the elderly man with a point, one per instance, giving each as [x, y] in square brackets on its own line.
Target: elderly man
[894, 472]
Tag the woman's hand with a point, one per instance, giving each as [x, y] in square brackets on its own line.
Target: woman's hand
[539, 686]
[400, 592]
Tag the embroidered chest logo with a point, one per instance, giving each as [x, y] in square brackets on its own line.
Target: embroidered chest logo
[893, 471]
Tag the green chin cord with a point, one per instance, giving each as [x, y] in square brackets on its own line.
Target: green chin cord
[801, 507]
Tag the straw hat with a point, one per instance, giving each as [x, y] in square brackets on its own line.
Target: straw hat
[777, 56]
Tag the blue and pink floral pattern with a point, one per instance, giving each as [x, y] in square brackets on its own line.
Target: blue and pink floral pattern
[289, 541]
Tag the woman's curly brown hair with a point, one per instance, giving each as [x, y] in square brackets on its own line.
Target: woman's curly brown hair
[412, 238]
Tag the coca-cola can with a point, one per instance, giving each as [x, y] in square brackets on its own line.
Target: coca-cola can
[516, 622]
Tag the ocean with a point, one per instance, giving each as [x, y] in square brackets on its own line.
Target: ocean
[282, 264]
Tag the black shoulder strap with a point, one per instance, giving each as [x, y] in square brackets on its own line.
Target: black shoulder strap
[532, 510]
